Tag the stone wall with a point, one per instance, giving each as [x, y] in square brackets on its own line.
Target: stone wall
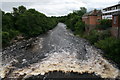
[115, 26]
[115, 31]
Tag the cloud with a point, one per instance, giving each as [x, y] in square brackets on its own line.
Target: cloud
[7, 6]
[99, 4]
[59, 7]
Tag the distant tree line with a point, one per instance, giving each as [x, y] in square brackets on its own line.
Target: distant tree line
[25, 22]
[74, 21]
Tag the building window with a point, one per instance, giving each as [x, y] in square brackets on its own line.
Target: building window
[98, 20]
[115, 20]
[118, 7]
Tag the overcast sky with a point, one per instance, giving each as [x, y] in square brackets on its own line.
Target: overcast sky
[57, 7]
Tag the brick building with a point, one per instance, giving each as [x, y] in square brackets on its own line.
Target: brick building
[91, 19]
[113, 13]
[116, 24]
[109, 11]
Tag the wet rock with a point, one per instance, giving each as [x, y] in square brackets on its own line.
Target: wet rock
[57, 50]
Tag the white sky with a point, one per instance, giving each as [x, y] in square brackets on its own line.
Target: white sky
[57, 7]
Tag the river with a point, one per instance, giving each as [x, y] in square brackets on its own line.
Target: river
[58, 50]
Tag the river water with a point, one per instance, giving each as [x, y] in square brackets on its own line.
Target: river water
[58, 50]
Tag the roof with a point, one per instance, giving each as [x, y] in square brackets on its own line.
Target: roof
[112, 6]
[86, 14]
[93, 13]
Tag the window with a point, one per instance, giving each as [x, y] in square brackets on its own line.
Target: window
[115, 20]
[118, 7]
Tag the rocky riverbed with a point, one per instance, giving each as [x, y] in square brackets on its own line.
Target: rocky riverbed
[56, 53]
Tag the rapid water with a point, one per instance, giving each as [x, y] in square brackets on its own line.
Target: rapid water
[58, 50]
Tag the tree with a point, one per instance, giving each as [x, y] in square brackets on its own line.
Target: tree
[79, 27]
[83, 9]
[15, 12]
[29, 23]
[21, 9]
[7, 21]
[74, 20]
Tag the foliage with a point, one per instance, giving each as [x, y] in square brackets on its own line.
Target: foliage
[32, 23]
[5, 38]
[111, 47]
[79, 27]
[92, 37]
[80, 12]
[100, 37]
[104, 24]
[96, 35]
[74, 21]
[29, 23]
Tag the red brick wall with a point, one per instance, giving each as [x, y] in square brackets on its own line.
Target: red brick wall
[86, 20]
[91, 21]
[94, 20]
[99, 18]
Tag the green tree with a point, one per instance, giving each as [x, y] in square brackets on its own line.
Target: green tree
[79, 27]
[29, 23]
[21, 9]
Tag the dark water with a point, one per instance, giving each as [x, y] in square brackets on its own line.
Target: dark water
[58, 50]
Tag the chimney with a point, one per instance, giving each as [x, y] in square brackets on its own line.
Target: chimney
[95, 11]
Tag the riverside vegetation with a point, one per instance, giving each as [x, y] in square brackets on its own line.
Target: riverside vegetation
[28, 23]
[99, 37]
[31, 23]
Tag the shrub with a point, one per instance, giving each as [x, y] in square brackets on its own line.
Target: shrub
[104, 24]
[103, 34]
[5, 38]
[13, 33]
[92, 37]
[96, 35]
[79, 27]
[111, 46]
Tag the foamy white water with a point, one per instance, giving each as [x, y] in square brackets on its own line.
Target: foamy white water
[59, 50]
[67, 62]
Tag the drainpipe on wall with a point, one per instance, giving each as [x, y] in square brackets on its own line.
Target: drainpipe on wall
[118, 26]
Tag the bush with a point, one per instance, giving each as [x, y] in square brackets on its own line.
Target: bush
[8, 36]
[79, 27]
[5, 38]
[13, 33]
[111, 46]
[96, 35]
[104, 24]
[74, 21]
[103, 34]
[92, 37]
